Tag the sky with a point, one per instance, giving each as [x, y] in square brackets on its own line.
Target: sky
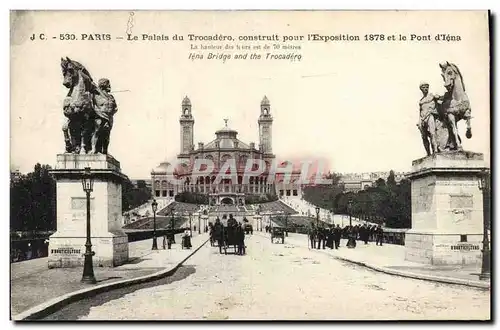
[355, 104]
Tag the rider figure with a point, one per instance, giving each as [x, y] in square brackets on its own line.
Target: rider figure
[105, 109]
[427, 120]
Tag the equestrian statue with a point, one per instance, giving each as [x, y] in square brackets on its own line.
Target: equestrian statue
[439, 115]
[88, 109]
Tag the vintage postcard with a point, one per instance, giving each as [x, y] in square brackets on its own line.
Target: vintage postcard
[250, 165]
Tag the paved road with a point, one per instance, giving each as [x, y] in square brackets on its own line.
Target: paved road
[275, 281]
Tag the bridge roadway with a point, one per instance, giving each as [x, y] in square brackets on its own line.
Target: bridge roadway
[283, 282]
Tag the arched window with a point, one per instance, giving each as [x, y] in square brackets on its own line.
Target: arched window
[243, 161]
[225, 158]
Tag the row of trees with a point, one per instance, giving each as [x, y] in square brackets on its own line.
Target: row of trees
[33, 200]
[134, 196]
[198, 198]
[324, 195]
[257, 199]
[191, 197]
[386, 201]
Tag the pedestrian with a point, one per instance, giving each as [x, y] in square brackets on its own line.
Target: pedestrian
[351, 241]
[240, 234]
[380, 235]
[372, 233]
[366, 233]
[329, 237]
[337, 235]
[321, 238]
[186, 239]
[312, 236]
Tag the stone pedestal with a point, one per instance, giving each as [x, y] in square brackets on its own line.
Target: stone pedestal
[447, 210]
[109, 242]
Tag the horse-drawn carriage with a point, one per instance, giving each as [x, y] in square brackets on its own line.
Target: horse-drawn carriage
[226, 236]
[248, 229]
[278, 233]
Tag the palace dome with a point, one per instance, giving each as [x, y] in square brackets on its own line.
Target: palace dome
[162, 168]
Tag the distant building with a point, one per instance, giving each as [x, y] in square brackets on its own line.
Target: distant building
[354, 182]
[226, 146]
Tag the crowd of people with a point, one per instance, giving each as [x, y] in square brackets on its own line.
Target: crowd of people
[322, 237]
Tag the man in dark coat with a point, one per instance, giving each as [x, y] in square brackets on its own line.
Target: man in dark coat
[218, 230]
[240, 234]
[337, 233]
[329, 237]
[366, 233]
[323, 236]
[380, 235]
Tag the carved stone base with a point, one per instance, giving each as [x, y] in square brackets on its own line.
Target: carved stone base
[447, 209]
[65, 252]
[443, 249]
[109, 242]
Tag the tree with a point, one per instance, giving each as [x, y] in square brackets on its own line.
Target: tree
[191, 197]
[391, 179]
[141, 184]
[33, 201]
[133, 197]
[384, 201]
[380, 183]
[325, 195]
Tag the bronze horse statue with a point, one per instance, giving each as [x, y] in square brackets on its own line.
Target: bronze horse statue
[78, 106]
[455, 105]
[89, 110]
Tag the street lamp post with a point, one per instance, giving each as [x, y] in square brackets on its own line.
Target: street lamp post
[88, 269]
[199, 222]
[190, 225]
[286, 224]
[172, 222]
[317, 216]
[154, 206]
[349, 209]
[484, 185]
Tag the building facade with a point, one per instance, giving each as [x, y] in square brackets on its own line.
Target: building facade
[354, 182]
[224, 148]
